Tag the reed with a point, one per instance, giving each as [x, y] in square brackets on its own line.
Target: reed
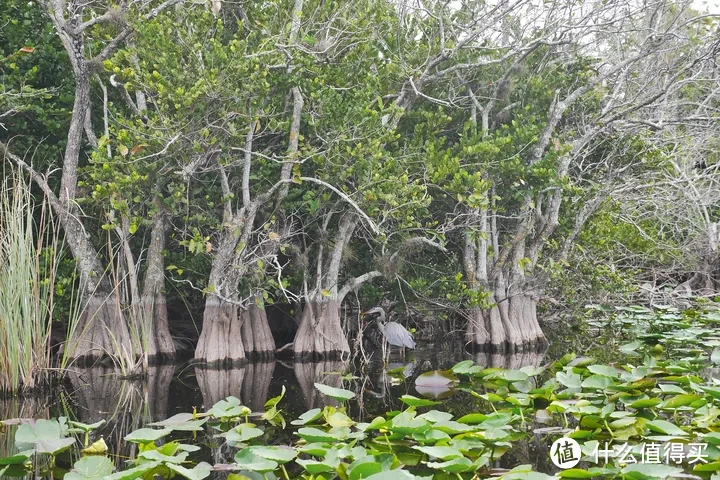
[28, 268]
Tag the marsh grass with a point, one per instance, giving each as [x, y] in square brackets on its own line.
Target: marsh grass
[28, 268]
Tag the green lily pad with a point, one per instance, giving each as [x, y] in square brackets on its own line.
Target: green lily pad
[443, 453]
[242, 433]
[91, 468]
[248, 460]
[308, 417]
[181, 422]
[228, 408]
[665, 427]
[456, 465]
[336, 393]
[200, 471]
[277, 454]
[418, 402]
[133, 473]
[17, 459]
[147, 435]
[46, 436]
[650, 470]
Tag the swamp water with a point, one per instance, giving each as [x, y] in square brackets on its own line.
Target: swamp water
[502, 412]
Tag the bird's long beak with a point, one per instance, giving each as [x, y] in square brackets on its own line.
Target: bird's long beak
[363, 314]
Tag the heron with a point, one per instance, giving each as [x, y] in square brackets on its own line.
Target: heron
[393, 333]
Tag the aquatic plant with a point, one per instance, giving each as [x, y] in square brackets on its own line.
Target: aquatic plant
[28, 266]
[650, 399]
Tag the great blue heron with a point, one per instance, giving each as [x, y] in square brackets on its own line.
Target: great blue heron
[393, 333]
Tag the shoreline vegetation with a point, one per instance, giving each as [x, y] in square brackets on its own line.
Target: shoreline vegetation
[236, 180]
[657, 390]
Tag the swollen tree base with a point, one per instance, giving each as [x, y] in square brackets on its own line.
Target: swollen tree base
[510, 326]
[257, 338]
[221, 343]
[320, 336]
[100, 333]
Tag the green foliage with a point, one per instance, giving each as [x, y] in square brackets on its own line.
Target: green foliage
[28, 273]
[643, 397]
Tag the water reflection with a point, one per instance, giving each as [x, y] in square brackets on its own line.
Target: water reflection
[513, 361]
[125, 405]
[249, 383]
[325, 372]
[18, 411]
[99, 394]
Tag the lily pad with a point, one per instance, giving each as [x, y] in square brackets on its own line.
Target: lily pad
[418, 402]
[248, 460]
[336, 393]
[91, 468]
[200, 471]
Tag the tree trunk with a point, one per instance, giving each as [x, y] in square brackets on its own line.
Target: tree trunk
[256, 335]
[155, 335]
[320, 335]
[100, 330]
[508, 326]
[220, 343]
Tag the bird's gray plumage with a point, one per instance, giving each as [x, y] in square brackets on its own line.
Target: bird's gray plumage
[394, 333]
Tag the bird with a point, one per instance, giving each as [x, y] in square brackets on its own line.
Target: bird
[394, 334]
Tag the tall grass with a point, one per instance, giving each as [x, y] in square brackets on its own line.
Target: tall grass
[27, 278]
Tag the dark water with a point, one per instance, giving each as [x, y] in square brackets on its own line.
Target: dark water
[90, 395]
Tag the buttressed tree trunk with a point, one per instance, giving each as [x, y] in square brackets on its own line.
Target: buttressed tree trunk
[257, 338]
[221, 341]
[159, 345]
[320, 335]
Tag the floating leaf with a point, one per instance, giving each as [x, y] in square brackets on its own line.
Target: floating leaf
[665, 427]
[308, 417]
[443, 453]
[242, 433]
[280, 454]
[650, 470]
[17, 459]
[181, 422]
[248, 460]
[147, 435]
[90, 468]
[417, 402]
[200, 471]
[336, 393]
